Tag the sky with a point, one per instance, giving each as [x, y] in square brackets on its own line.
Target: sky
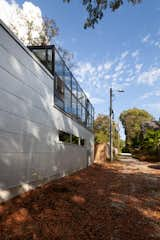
[122, 52]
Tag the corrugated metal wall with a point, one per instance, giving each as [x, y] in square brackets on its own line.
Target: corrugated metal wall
[29, 145]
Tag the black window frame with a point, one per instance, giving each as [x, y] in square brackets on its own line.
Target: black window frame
[62, 134]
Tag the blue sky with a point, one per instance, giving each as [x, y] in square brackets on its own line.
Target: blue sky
[123, 51]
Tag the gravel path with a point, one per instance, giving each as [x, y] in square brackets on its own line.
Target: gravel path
[118, 201]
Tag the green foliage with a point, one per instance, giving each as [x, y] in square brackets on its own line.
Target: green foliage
[132, 120]
[101, 130]
[96, 8]
[121, 145]
[151, 141]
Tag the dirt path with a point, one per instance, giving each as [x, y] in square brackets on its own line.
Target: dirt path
[119, 201]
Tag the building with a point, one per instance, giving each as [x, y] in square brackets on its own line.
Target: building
[46, 120]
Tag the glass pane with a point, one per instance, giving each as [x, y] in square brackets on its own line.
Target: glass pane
[49, 62]
[79, 111]
[79, 94]
[87, 119]
[58, 102]
[59, 87]
[64, 137]
[83, 99]
[92, 112]
[87, 104]
[67, 77]
[74, 106]
[67, 101]
[88, 122]
[41, 55]
[92, 120]
[59, 66]
[90, 108]
[74, 87]
[75, 140]
[83, 115]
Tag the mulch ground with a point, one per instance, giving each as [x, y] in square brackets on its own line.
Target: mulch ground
[119, 201]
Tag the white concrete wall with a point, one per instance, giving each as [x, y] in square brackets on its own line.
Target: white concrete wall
[29, 122]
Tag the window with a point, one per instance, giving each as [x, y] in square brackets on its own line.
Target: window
[74, 87]
[64, 137]
[83, 115]
[74, 106]
[67, 77]
[82, 141]
[67, 101]
[45, 55]
[59, 87]
[68, 95]
[49, 60]
[79, 111]
[41, 55]
[75, 139]
[59, 65]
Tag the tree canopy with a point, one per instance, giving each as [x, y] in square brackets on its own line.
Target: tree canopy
[101, 130]
[151, 141]
[96, 9]
[132, 120]
[27, 23]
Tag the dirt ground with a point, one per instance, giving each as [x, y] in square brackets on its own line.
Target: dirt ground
[118, 201]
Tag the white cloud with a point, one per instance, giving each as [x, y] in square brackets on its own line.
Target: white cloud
[124, 54]
[119, 66]
[135, 54]
[151, 94]
[107, 77]
[96, 100]
[150, 76]
[83, 70]
[138, 67]
[146, 38]
[108, 65]
[100, 67]
[157, 44]
[153, 106]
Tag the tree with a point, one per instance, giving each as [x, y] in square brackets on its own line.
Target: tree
[132, 120]
[27, 23]
[49, 31]
[151, 141]
[101, 130]
[96, 8]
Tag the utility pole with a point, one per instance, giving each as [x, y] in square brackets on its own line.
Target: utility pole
[110, 123]
[110, 126]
